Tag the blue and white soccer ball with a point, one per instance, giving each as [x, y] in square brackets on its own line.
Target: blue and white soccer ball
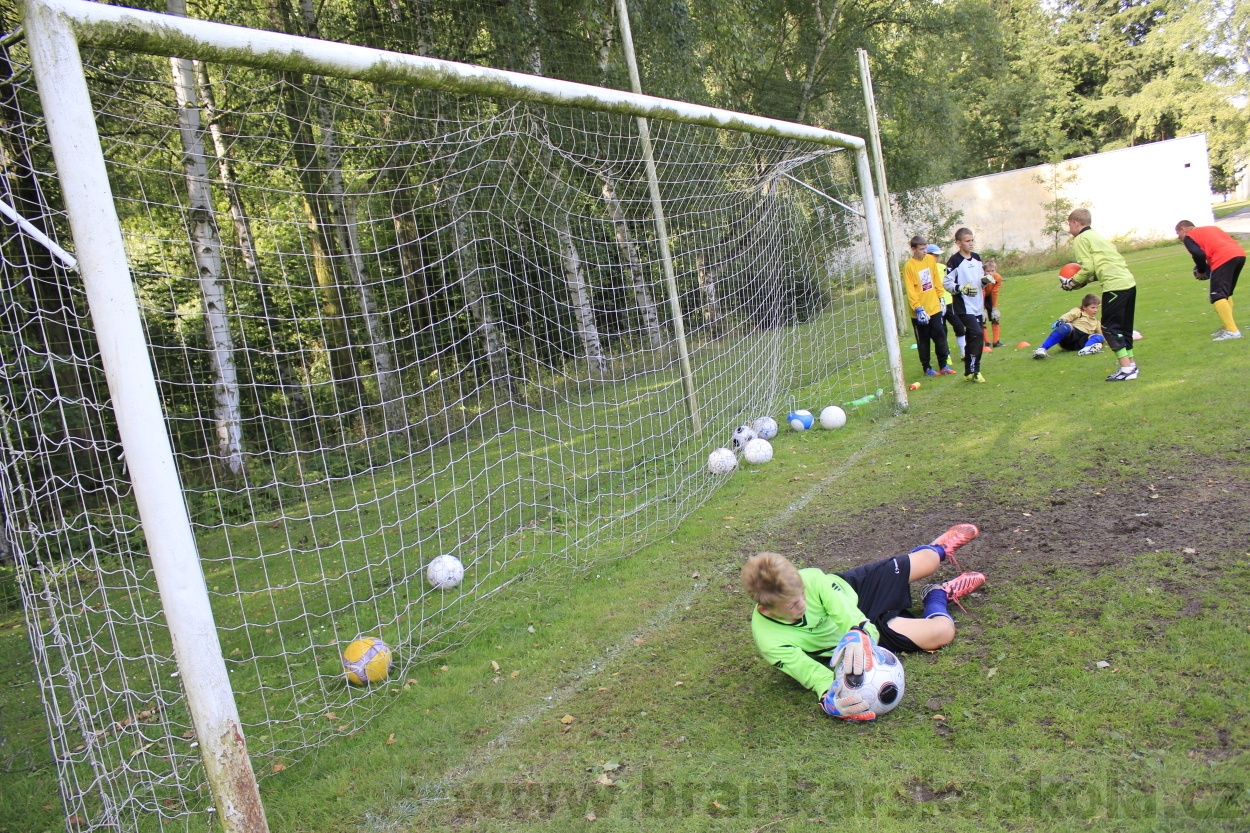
[742, 435]
[881, 688]
[800, 420]
[765, 428]
[832, 417]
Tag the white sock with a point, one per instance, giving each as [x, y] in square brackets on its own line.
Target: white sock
[962, 341]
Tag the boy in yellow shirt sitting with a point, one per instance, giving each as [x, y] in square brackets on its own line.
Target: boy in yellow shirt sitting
[1077, 329]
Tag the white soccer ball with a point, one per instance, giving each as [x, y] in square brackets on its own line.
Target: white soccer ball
[800, 420]
[758, 451]
[722, 461]
[742, 435]
[881, 688]
[765, 428]
[832, 417]
[444, 572]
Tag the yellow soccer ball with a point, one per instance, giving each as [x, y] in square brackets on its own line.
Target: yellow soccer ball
[367, 660]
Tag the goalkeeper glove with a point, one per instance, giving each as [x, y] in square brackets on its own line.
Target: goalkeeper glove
[846, 707]
[1058, 323]
[1067, 284]
[922, 317]
[986, 280]
[854, 653]
[970, 290]
[995, 315]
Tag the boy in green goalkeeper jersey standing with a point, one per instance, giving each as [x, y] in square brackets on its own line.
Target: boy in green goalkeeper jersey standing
[811, 624]
[1100, 261]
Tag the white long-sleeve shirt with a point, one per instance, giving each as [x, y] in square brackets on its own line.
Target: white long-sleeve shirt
[962, 272]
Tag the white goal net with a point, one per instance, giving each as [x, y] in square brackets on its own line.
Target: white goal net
[386, 323]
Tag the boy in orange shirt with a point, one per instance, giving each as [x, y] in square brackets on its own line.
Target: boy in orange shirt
[994, 283]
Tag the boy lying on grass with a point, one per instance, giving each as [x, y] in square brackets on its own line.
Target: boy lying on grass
[807, 622]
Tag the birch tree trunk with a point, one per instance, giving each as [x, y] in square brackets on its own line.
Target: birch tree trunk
[389, 388]
[713, 313]
[642, 293]
[333, 321]
[587, 329]
[225, 175]
[296, 110]
[484, 320]
[206, 245]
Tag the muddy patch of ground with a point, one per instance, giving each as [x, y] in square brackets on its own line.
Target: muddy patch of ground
[1202, 517]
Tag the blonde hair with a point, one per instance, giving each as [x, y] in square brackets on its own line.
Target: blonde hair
[770, 578]
[1082, 216]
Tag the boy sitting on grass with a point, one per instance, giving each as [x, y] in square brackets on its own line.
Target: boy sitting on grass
[807, 622]
[1077, 329]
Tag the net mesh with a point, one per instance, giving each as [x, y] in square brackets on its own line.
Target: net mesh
[439, 325]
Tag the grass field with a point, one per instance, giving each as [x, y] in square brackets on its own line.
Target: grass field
[1223, 209]
[1116, 530]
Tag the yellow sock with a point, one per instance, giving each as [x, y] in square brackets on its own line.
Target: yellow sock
[1225, 310]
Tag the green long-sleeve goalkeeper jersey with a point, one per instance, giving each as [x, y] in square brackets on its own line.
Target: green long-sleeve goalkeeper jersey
[794, 648]
[1100, 261]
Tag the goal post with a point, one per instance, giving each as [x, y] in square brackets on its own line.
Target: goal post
[155, 453]
[140, 418]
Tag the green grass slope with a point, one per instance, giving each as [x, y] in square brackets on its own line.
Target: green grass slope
[1115, 531]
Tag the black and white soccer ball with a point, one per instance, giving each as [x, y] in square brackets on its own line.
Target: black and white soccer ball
[742, 435]
[881, 688]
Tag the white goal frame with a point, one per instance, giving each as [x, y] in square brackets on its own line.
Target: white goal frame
[55, 29]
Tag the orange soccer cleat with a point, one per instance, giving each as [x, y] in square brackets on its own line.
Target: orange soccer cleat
[954, 538]
[961, 585]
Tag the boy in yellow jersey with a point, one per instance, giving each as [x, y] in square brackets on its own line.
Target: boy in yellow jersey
[922, 279]
[820, 628]
[1101, 261]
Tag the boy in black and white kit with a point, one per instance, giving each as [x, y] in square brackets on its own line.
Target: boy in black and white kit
[965, 279]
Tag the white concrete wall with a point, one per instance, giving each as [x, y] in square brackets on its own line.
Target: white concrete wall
[1136, 194]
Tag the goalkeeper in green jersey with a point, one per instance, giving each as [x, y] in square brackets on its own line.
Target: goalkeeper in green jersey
[807, 622]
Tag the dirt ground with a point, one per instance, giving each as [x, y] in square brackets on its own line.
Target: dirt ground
[1204, 518]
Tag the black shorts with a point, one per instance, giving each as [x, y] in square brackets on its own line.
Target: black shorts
[1224, 279]
[1074, 340]
[884, 591]
[1117, 317]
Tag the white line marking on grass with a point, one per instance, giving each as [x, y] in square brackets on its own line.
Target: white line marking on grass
[403, 814]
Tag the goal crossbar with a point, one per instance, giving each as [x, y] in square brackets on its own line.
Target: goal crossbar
[117, 27]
